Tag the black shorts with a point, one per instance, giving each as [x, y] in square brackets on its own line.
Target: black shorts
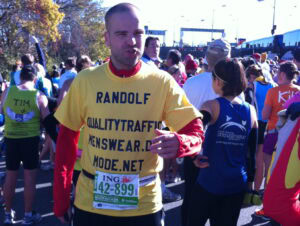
[261, 131]
[219, 209]
[82, 217]
[25, 150]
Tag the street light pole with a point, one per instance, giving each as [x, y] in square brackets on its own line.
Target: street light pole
[212, 25]
[274, 26]
[274, 9]
[213, 21]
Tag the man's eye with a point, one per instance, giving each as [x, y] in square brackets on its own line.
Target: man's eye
[121, 34]
[139, 33]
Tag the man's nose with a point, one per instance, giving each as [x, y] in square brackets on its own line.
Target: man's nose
[131, 40]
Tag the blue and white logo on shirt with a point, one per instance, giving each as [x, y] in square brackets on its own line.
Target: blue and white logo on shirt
[19, 117]
[228, 123]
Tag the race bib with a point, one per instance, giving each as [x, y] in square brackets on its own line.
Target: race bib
[115, 191]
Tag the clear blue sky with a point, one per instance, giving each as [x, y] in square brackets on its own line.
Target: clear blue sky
[250, 19]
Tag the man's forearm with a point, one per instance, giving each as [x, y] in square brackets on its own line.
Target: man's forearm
[65, 157]
[191, 138]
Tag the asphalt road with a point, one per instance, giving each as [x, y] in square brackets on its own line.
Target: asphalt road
[44, 203]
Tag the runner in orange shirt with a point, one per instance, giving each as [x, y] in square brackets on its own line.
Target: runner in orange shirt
[276, 98]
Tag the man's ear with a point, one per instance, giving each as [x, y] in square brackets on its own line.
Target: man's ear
[107, 39]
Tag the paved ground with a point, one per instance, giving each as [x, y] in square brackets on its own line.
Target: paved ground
[43, 203]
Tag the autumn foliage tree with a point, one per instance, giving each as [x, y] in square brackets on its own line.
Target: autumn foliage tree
[19, 19]
[83, 29]
[64, 27]
[43, 20]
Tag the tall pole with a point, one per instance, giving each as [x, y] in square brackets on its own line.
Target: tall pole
[212, 25]
[274, 26]
[236, 31]
[274, 12]
[213, 21]
[174, 34]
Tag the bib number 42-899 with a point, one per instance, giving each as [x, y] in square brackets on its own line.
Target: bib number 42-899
[115, 191]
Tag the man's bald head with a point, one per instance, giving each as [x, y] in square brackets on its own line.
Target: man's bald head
[119, 8]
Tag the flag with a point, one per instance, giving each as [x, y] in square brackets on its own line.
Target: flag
[240, 41]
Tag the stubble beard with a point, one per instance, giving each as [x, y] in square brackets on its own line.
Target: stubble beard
[126, 62]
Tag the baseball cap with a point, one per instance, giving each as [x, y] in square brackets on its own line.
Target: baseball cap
[219, 47]
[256, 56]
[217, 50]
[191, 65]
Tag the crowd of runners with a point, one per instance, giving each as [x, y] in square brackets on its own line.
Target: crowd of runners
[118, 130]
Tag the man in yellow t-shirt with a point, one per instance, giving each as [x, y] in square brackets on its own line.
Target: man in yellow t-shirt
[121, 104]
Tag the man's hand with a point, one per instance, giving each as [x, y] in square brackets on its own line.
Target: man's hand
[34, 39]
[165, 144]
[201, 161]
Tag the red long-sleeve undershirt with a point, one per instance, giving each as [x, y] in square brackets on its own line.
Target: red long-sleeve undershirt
[65, 157]
[190, 138]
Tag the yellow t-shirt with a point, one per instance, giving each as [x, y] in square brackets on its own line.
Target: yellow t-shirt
[119, 116]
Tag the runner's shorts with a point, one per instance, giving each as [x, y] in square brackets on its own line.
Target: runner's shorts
[25, 150]
[270, 143]
[82, 217]
[261, 131]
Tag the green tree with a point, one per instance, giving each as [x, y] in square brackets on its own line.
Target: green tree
[64, 27]
[43, 20]
[83, 29]
[19, 19]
